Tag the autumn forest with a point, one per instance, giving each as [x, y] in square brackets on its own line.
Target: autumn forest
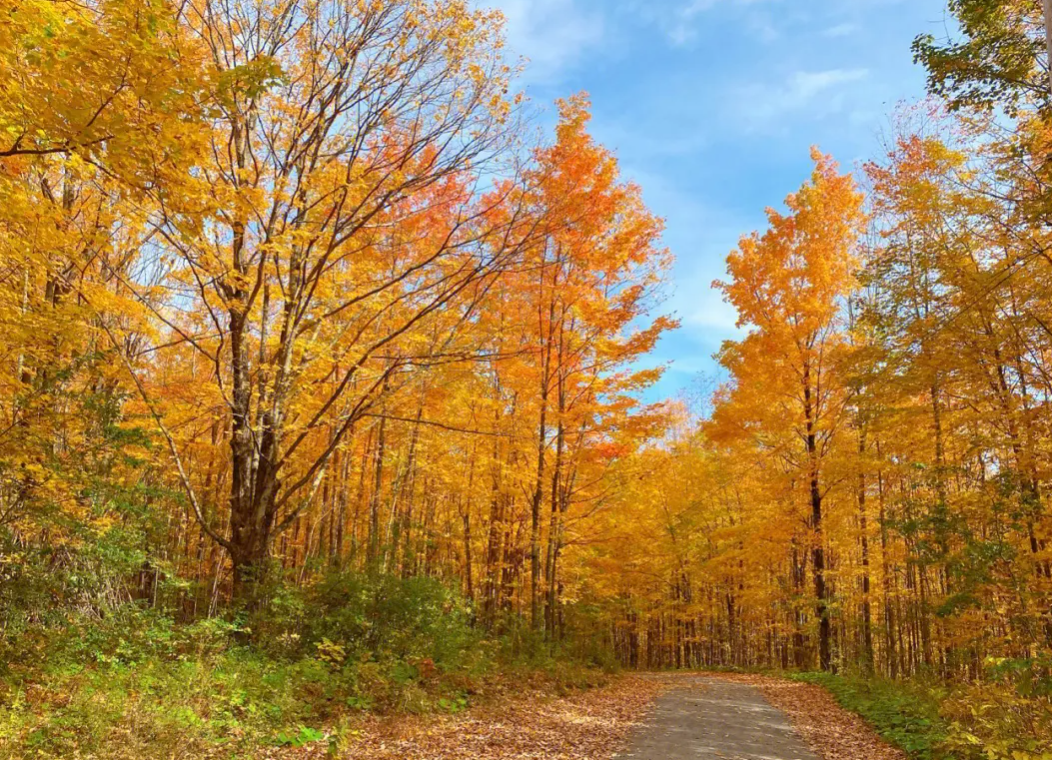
[327, 392]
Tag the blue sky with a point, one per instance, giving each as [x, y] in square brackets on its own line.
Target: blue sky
[712, 106]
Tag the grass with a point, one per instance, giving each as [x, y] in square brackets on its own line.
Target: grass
[906, 715]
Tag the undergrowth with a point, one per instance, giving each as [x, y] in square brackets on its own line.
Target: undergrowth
[1006, 715]
[905, 715]
[136, 683]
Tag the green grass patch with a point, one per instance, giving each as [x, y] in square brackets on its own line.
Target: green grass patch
[906, 715]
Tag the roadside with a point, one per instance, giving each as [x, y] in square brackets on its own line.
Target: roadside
[631, 717]
[668, 716]
[831, 731]
[591, 725]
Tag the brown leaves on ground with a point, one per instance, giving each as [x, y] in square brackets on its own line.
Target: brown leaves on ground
[593, 725]
[831, 732]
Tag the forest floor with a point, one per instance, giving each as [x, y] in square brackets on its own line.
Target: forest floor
[530, 725]
[830, 731]
[649, 717]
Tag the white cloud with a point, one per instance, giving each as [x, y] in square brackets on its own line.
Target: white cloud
[841, 30]
[554, 35]
[822, 93]
[805, 85]
[682, 25]
[695, 7]
[701, 235]
[704, 312]
[711, 313]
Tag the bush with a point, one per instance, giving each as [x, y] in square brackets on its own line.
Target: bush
[129, 681]
[381, 617]
[139, 679]
[1006, 716]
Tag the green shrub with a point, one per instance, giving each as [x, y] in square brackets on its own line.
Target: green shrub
[906, 715]
[128, 680]
[385, 617]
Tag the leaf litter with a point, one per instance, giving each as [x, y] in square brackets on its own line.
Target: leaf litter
[591, 725]
[831, 732]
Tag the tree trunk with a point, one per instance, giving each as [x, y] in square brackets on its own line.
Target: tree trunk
[535, 509]
[867, 613]
[818, 549]
[373, 550]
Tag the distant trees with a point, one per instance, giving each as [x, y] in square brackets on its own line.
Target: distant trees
[879, 435]
[882, 422]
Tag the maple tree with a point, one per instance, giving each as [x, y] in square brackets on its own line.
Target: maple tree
[789, 284]
[332, 216]
[306, 347]
[288, 265]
